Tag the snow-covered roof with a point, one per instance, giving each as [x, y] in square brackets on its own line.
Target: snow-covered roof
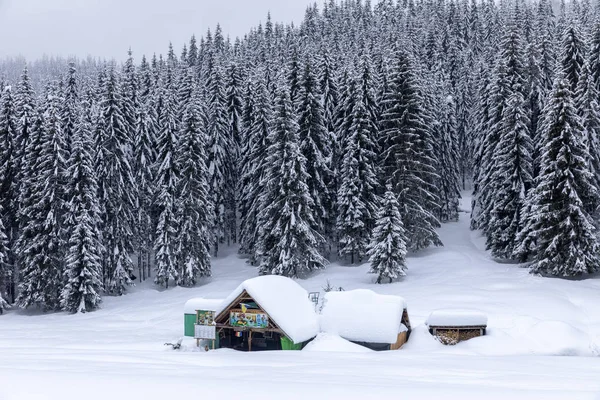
[363, 316]
[192, 305]
[451, 317]
[285, 301]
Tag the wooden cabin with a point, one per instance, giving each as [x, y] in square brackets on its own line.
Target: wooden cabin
[379, 322]
[267, 313]
[451, 327]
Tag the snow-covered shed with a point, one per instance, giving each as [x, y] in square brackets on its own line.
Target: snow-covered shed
[454, 326]
[267, 313]
[379, 322]
[190, 312]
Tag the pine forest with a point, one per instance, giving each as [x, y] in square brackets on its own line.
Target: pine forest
[349, 138]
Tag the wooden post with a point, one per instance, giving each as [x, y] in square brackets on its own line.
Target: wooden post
[213, 344]
[250, 340]
[197, 342]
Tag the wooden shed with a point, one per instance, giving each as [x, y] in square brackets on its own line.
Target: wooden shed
[454, 326]
[379, 322]
[267, 313]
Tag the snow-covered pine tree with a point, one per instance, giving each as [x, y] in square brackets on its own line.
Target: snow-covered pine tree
[83, 267]
[513, 177]
[167, 180]
[562, 230]
[234, 112]
[42, 241]
[116, 186]
[70, 110]
[254, 166]
[5, 269]
[9, 150]
[315, 146]
[194, 207]
[449, 165]
[408, 159]
[220, 166]
[572, 56]
[288, 241]
[387, 249]
[357, 199]
[586, 104]
[26, 115]
[144, 158]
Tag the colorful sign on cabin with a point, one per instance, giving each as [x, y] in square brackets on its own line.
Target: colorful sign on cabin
[205, 317]
[248, 320]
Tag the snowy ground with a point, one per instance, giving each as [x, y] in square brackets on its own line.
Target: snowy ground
[543, 341]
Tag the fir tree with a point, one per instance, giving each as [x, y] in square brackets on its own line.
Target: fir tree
[220, 159]
[315, 146]
[116, 187]
[83, 267]
[514, 174]
[562, 230]
[408, 159]
[194, 241]
[288, 241]
[42, 240]
[254, 168]
[5, 269]
[387, 250]
[167, 180]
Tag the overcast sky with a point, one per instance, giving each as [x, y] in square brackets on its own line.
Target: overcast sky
[106, 28]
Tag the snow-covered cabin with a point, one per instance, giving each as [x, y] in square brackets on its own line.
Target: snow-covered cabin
[454, 326]
[190, 309]
[379, 322]
[267, 313]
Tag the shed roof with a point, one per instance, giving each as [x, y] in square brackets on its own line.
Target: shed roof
[363, 316]
[451, 317]
[192, 305]
[285, 301]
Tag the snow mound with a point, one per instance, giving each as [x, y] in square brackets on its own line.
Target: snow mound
[334, 343]
[363, 316]
[192, 305]
[558, 338]
[451, 317]
[285, 301]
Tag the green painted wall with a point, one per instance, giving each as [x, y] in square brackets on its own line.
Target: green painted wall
[287, 344]
[189, 320]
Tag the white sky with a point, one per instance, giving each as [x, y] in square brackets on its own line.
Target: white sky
[106, 28]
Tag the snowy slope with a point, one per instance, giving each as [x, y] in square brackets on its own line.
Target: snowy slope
[542, 343]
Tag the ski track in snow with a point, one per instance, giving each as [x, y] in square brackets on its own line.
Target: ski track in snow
[543, 340]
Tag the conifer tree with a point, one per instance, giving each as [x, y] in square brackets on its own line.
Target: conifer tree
[5, 269]
[9, 164]
[43, 238]
[116, 187]
[448, 161]
[70, 110]
[586, 103]
[254, 167]
[195, 209]
[315, 146]
[288, 241]
[220, 165]
[514, 177]
[563, 232]
[83, 267]
[357, 200]
[408, 159]
[387, 249]
[167, 180]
